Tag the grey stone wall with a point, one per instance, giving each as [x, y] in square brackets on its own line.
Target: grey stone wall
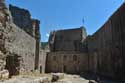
[3, 20]
[17, 48]
[22, 18]
[42, 60]
[21, 44]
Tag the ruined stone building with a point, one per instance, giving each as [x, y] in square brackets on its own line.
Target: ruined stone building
[69, 51]
[72, 51]
[22, 19]
[20, 45]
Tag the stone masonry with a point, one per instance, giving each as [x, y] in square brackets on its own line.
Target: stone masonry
[67, 51]
[22, 18]
[101, 53]
[106, 47]
[18, 45]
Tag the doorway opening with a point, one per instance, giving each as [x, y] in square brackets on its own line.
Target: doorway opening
[12, 65]
[40, 69]
[64, 69]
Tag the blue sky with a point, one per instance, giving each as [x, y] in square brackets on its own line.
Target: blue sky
[65, 14]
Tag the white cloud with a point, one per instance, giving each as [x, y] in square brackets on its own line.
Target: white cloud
[47, 35]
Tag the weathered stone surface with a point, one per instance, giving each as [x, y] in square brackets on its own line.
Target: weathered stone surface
[4, 74]
[67, 51]
[20, 43]
[106, 47]
[42, 60]
[2, 61]
[22, 18]
[16, 44]
[20, 46]
[92, 81]
[57, 76]
[67, 40]
[22, 79]
[68, 62]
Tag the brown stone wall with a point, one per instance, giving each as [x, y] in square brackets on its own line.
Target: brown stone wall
[100, 47]
[106, 47]
[67, 51]
[118, 37]
[68, 62]
[71, 39]
[122, 16]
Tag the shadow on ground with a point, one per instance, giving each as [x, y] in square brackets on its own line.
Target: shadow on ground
[100, 79]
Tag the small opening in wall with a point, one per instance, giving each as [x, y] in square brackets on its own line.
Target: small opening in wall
[64, 68]
[74, 57]
[40, 69]
[13, 64]
[65, 57]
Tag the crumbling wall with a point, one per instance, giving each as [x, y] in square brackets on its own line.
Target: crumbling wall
[22, 18]
[4, 14]
[17, 48]
[20, 43]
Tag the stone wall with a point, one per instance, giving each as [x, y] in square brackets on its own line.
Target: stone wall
[68, 62]
[22, 18]
[100, 46]
[67, 40]
[42, 60]
[21, 44]
[17, 48]
[106, 47]
[67, 51]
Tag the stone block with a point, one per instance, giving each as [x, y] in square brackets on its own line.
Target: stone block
[57, 76]
[92, 81]
[4, 74]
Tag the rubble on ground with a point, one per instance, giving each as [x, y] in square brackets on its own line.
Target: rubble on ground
[23, 79]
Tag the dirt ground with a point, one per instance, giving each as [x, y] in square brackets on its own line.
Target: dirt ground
[67, 78]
